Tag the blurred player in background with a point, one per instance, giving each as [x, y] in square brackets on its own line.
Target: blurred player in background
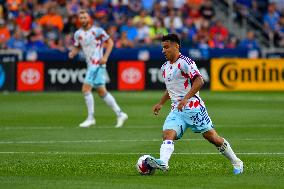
[91, 40]
[183, 82]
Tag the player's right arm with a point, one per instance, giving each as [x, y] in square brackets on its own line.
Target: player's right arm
[163, 100]
[76, 48]
[73, 52]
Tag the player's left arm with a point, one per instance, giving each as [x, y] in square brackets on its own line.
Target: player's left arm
[108, 44]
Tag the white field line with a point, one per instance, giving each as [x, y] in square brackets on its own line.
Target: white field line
[130, 140]
[72, 127]
[138, 153]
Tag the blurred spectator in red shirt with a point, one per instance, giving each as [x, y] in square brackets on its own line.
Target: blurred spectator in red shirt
[219, 29]
[24, 21]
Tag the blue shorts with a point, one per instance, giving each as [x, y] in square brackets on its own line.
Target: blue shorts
[95, 76]
[197, 119]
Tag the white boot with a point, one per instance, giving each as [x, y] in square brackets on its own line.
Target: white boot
[121, 119]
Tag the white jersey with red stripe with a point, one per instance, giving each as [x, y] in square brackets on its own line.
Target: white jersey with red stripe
[178, 79]
[91, 42]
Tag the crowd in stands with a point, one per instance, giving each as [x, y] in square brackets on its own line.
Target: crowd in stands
[270, 15]
[50, 24]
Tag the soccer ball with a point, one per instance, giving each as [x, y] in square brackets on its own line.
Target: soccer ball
[143, 168]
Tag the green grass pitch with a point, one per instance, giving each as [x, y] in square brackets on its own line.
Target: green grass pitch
[41, 145]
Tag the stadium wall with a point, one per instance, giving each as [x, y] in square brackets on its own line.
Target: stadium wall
[134, 69]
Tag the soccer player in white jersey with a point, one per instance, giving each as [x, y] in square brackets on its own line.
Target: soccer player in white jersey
[183, 82]
[91, 40]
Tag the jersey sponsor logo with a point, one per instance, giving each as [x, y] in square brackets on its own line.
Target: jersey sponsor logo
[2, 76]
[30, 76]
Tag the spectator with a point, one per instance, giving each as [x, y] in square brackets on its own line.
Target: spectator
[147, 4]
[195, 3]
[189, 31]
[206, 10]
[202, 35]
[157, 31]
[4, 33]
[52, 19]
[143, 33]
[119, 11]
[35, 43]
[17, 40]
[131, 30]
[100, 9]
[73, 7]
[56, 44]
[24, 21]
[124, 42]
[112, 31]
[232, 42]
[143, 17]
[68, 41]
[280, 32]
[219, 29]
[13, 7]
[178, 4]
[1, 11]
[279, 4]
[173, 21]
[249, 42]
[255, 11]
[217, 42]
[71, 25]
[135, 7]
[271, 18]
[158, 13]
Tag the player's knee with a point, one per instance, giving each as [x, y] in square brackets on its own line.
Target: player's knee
[169, 135]
[101, 93]
[85, 90]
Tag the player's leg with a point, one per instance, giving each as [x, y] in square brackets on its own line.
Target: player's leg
[89, 99]
[173, 129]
[167, 147]
[201, 122]
[111, 102]
[99, 83]
[166, 150]
[224, 147]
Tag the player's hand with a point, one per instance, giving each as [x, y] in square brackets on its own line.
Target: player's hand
[156, 109]
[181, 104]
[71, 55]
[103, 60]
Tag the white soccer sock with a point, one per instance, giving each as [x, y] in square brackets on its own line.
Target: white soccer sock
[227, 151]
[166, 150]
[110, 101]
[89, 99]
